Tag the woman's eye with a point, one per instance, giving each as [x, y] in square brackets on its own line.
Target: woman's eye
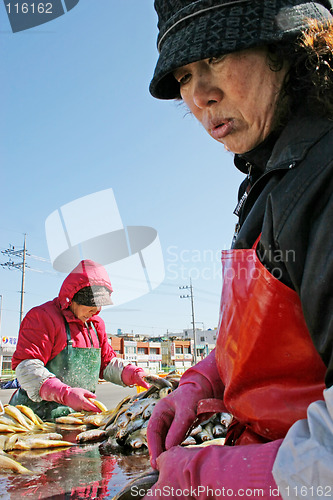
[214, 60]
[184, 79]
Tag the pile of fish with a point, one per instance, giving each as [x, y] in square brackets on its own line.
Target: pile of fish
[125, 427]
[86, 418]
[213, 429]
[22, 429]
[20, 419]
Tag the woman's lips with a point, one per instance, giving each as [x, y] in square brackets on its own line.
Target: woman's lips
[222, 130]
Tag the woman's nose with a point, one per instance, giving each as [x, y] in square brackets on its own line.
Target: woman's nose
[206, 93]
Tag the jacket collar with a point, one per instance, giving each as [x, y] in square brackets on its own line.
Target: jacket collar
[289, 148]
[257, 157]
[296, 139]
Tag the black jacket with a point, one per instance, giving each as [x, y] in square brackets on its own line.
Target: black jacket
[290, 202]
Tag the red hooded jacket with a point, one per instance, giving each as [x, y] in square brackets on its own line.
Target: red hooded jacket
[42, 333]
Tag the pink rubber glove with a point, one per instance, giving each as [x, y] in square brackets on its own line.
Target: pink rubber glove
[74, 397]
[217, 471]
[133, 375]
[174, 414]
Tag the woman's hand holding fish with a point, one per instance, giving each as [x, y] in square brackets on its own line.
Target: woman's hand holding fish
[175, 414]
[213, 469]
[74, 397]
[133, 375]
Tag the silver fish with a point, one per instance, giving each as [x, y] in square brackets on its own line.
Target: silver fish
[91, 435]
[140, 486]
[112, 415]
[138, 407]
[189, 441]
[196, 430]
[225, 419]
[132, 426]
[207, 433]
[165, 391]
[137, 439]
[158, 382]
[219, 431]
[151, 392]
[149, 409]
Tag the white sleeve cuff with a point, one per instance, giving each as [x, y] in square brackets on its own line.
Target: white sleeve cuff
[31, 374]
[304, 464]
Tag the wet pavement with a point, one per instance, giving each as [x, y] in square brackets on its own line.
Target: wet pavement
[89, 471]
[80, 472]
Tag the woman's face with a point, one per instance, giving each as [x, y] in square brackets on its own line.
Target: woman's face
[83, 312]
[233, 96]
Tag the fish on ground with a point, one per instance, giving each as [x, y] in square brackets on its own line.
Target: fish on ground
[8, 464]
[91, 435]
[18, 416]
[139, 485]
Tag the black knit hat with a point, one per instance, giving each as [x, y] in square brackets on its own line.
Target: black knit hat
[190, 30]
[93, 296]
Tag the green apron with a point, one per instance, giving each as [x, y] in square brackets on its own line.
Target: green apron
[74, 366]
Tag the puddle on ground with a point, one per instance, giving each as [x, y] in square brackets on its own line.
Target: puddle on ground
[89, 471]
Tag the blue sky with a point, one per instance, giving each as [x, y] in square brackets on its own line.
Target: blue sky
[77, 118]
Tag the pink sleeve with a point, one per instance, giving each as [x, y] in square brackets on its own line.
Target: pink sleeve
[208, 369]
[39, 337]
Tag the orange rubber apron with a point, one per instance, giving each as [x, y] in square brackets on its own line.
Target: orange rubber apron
[264, 352]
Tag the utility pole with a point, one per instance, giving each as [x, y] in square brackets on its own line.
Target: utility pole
[168, 349]
[23, 276]
[22, 253]
[193, 322]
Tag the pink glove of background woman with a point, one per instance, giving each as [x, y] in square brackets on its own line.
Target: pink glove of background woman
[74, 397]
[133, 375]
[173, 416]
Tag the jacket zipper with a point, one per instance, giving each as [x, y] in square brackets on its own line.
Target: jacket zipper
[249, 170]
[242, 202]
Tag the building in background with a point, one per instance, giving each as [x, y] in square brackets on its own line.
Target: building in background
[175, 351]
[205, 341]
[138, 350]
[177, 354]
[7, 348]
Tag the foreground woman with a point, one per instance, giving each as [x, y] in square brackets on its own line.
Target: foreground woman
[63, 348]
[259, 78]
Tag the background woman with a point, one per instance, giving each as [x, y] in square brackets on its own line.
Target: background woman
[63, 348]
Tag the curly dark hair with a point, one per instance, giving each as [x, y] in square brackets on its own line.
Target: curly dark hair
[309, 80]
